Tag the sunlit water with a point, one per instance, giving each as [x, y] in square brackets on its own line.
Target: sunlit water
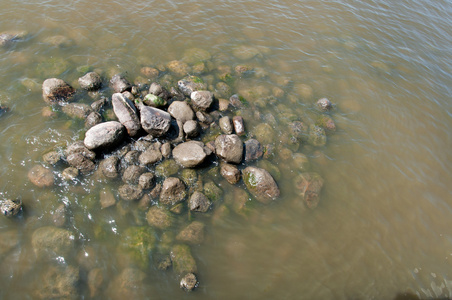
[383, 225]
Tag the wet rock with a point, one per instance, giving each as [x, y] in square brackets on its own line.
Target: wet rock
[301, 162]
[93, 119]
[183, 261]
[229, 148]
[159, 217]
[128, 285]
[104, 135]
[146, 180]
[59, 41]
[155, 192]
[173, 191]
[237, 101]
[10, 208]
[154, 101]
[317, 136]
[189, 282]
[245, 52]
[70, 173]
[166, 150]
[199, 202]
[264, 133]
[98, 105]
[90, 81]
[58, 282]
[226, 125]
[201, 100]
[230, 172]
[52, 157]
[106, 198]
[158, 90]
[131, 157]
[40, 176]
[261, 184]
[59, 216]
[77, 110]
[190, 84]
[189, 177]
[138, 242]
[327, 123]
[239, 125]
[81, 162]
[130, 192]
[253, 150]
[150, 156]
[80, 148]
[191, 128]
[95, 282]
[309, 186]
[192, 234]
[324, 104]
[189, 154]
[195, 55]
[145, 202]
[180, 110]
[110, 167]
[132, 174]
[51, 242]
[126, 112]
[55, 90]
[8, 240]
[298, 130]
[305, 91]
[120, 84]
[204, 118]
[178, 67]
[9, 37]
[167, 168]
[212, 191]
[155, 121]
[223, 104]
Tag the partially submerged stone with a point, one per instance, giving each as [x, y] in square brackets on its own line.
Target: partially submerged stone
[189, 154]
[183, 261]
[230, 172]
[90, 81]
[10, 208]
[317, 136]
[77, 110]
[155, 121]
[189, 282]
[159, 217]
[126, 112]
[253, 150]
[229, 148]
[309, 186]
[104, 135]
[55, 90]
[120, 84]
[324, 104]
[173, 191]
[199, 202]
[190, 84]
[41, 177]
[260, 184]
[201, 100]
[130, 192]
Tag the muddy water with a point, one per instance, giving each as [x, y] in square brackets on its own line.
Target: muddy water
[383, 225]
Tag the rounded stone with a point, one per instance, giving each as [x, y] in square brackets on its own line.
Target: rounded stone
[229, 148]
[10, 208]
[230, 172]
[104, 135]
[40, 176]
[189, 154]
[159, 217]
[90, 81]
[199, 202]
[191, 128]
[173, 191]
[202, 100]
[146, 180]
[130, 192]
[132, 174]
[324, 104]
[56, 90]
[180, 110]
[261, 184]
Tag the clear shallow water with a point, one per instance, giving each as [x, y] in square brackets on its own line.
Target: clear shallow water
[382, 227]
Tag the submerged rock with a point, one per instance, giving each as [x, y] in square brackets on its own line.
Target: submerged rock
[77, 110]
[178, 67]
[55, 90]
[183, 261]
[317, 136]
[198, 202]
[104, 135]
[159, 217]
[130, 192]
[253, 150]
[138, 243]
[51, 242]
[173, 191]
[90, 81]
[40, 176]
[58, 282]
[126, 112]
[189, 154]
[260, 184]
[10, 208]
[309, 186]
[229, 148]
[129, 284]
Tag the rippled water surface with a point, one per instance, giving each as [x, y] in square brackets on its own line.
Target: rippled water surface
[382, 229]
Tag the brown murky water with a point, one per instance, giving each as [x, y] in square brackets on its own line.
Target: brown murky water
[383, 225]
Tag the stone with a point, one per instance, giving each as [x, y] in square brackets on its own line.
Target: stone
[77, 110]
[129, 284]
[309, 185]
[264, 133]
[93, 119]
[49, 242]
[195, 55]
[138, 243]
[183, 261]
[106, 198]
[192, 234]
[178, 67]
[120, 84]
[70, 173]
[110, 167]
[229, 148]
[167, 168]
[126, 113]
[230, 172]
[129, 192]
[191, 128]
[173, 191]
[55, 90]
[131, 157]
[7, 38]
[149, 72]
[189, 154]
[189, 282]
[81, 162]
[327, 123]
[244, 52]
[212, 191]
[201, 100]
[58, 282]
[166, 150]
[223, 104]
[180, 110]
[317, 136]
[132, 174]
[10, 208]
[198, 202]
[239, 125]
[41, 177]
[154, 101]
[150, 156]
[52, 157]
[104, 135]
[159, 217]
[298, 130]
[260, 184]
[226, 125]
[59, 216]
[190, 84]
[90, 81]
[158, 90]
[146, 180]
[80, 148]
[324, 104]
[59, 41]
[253, 150]
[155, 121]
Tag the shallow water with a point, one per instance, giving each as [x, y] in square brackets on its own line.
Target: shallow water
[383, 225]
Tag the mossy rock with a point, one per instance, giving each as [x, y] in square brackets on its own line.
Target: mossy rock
[153, 100]
[189, 177]
[183, 261]
[52, 67]
[138, 243]
[264, 133]
[195, 55]
[167, 168]
[317, 136]
[212, 191]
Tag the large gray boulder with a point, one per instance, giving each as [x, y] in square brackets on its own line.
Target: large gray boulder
[155, 121]
[126, 113]
[104, 135]
[55, 90]
[181, 111]
[189, 154]
[202, 100]
[261, 184]
[173, 191]
[229, 147]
